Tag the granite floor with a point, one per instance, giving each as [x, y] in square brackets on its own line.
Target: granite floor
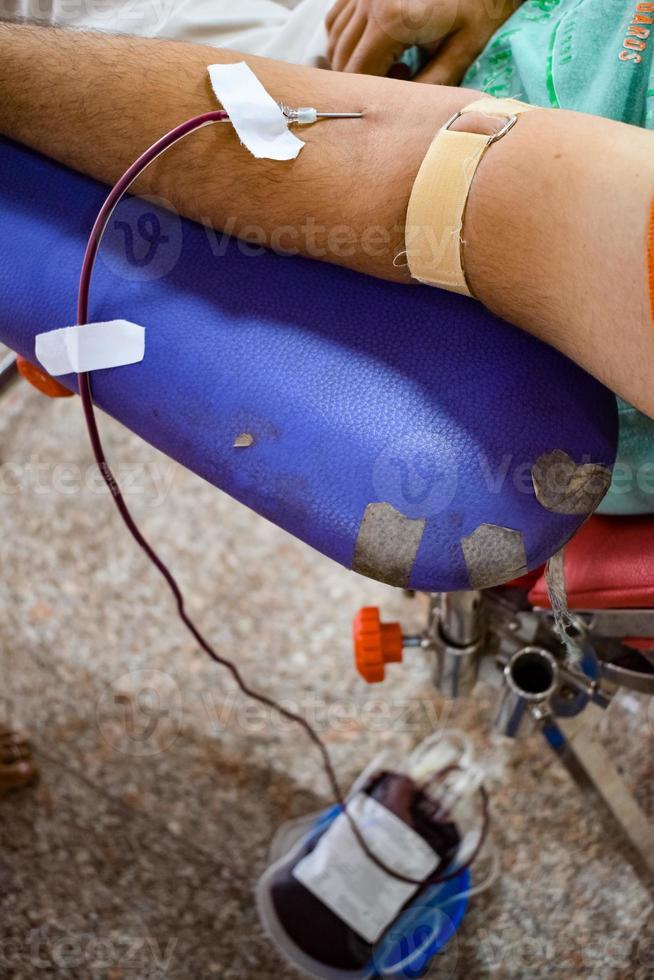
[137, 854]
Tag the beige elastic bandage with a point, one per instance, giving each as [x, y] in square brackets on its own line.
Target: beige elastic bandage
[434, 226]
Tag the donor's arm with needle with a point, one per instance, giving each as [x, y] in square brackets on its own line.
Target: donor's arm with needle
[555, 228]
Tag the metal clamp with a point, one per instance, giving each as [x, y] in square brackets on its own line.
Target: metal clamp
[494, 137]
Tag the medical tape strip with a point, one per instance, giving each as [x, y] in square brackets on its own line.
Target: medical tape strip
[91, 347]
[260, 123]
[434, 224]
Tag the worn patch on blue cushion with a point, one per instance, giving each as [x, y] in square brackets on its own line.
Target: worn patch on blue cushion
[493, 555]
[565, 487]
[387, 545]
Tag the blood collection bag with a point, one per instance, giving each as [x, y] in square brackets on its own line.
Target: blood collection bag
[334, 912]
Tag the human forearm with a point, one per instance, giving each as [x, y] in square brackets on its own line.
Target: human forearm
[557, 225]
[95, 102]
[554, 231]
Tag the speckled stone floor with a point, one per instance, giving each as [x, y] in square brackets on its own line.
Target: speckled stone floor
[137, 854]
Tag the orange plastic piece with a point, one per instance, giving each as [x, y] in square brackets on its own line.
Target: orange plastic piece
[375, 644]
[41, 380]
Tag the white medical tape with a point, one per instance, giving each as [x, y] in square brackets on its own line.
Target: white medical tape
[260, 123]
[92, 347]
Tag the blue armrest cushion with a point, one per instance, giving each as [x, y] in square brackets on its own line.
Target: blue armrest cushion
[394, 429]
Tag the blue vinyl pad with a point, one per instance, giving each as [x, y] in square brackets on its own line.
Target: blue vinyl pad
[394, 429]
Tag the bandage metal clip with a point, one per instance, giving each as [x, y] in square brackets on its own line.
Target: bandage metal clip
[494, 137]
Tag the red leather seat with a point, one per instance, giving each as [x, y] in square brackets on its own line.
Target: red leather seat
[609, 564]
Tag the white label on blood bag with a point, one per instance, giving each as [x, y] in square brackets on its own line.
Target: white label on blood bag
[341, 875]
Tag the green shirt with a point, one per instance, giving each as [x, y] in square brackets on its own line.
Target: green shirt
[589, 55]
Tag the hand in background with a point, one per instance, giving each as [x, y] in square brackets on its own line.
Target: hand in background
[370, 36]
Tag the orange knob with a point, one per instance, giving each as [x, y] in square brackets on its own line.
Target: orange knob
[375, 644]
[41, 380]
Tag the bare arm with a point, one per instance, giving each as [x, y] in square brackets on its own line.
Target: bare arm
[556, 223]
